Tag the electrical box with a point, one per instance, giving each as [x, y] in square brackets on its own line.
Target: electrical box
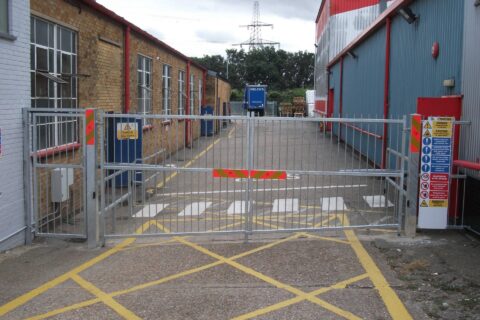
[61, 180]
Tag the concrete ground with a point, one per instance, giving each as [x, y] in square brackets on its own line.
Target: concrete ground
[302, 274]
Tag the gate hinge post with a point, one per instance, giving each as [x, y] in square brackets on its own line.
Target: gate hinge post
[90, 152]
[410, 222]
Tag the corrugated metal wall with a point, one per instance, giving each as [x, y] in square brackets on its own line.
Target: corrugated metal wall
[413, 71]
[470, 136]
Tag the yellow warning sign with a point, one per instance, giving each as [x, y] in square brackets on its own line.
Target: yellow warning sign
[427, 134]
[424, 204]
[427, 125]
[127, 130]
[442, 129]
[438, 203]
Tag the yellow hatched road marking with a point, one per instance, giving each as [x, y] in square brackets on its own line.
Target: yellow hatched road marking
[297, 299]
[276, 283]
[105, 298]
[159, 281]
[394, 305]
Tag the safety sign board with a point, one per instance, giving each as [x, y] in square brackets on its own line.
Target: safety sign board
[127, 130]
[435, 166]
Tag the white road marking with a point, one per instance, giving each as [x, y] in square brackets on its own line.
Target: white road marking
[195, 209]
[237, 207]
[262, 190]
[285, 205]
[377, 201]
[333, 204]
[150, 211]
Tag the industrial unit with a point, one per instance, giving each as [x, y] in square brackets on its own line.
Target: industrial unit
[417, 56]
[76, 55]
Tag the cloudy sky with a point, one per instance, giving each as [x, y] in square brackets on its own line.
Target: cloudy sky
[199, 27]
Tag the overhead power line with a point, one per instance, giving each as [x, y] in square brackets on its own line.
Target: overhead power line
[255, 41]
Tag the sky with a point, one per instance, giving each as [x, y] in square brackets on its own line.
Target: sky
[208, 27]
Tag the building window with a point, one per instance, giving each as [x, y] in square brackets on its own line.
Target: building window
[181, 92]
[166, 90]
[4, 16]
[192, 93]
[200, 92]
[53, 73]
[144, 80]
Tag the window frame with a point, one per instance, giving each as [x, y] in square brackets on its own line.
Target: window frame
[7, 35]
[144, 103]
[57, 94]
[192, 93]
[181, 93]
[166, 89]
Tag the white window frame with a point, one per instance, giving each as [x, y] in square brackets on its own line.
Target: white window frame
[192, 93]
[166, 89]
[181, 92]
[144, 74]
[56, 129]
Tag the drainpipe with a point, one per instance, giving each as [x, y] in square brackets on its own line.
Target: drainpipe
[126, 66]
[340, 103]
[386, 96]
[187, 106]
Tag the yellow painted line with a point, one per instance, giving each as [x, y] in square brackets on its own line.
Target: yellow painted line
[326, 238]
[105, 298]
[276, 283]
[17, 302]
[150, 244]
[297, 299]
[325, 221]
[189, 163]
[159, 281]
[230, 134]
[394, 305]
[266, 224]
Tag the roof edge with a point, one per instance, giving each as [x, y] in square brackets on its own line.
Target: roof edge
[377, 24]
[111, 14]
[320, 11]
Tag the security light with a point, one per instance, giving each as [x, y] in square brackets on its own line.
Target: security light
[352, 55]
[408, 15]
[477, 3]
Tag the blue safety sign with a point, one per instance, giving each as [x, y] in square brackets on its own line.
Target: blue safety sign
[427, 141]
[425, 168]
[426, 150]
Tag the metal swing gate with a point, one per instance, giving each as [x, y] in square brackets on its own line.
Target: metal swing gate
[96, 175]
[246, 174]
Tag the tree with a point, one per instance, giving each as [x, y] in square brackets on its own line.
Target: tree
[278, 69]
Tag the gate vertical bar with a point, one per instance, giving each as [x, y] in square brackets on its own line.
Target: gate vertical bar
[27, 177]
[402, 215]
[249, 211]
[102, 185]
[410, 224]
[90, 169]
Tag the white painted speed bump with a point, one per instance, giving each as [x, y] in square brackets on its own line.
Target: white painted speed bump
[150, 211]
[333, 204]
[285, 205]
[377, 201]
[195, 209]
[237, 207]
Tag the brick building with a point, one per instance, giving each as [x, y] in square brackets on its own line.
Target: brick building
[217, 95]
[83, 55]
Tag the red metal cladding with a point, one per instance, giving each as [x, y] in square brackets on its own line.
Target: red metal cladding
[340, 6]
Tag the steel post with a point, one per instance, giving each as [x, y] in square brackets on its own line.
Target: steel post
[410, 223]
[90, 160]
[27, 177]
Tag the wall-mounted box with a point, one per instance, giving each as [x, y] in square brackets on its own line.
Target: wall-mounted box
[61, 180]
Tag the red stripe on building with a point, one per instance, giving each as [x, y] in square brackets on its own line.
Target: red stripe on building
[340, 6]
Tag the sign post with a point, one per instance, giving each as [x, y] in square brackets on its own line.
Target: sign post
[435, 168]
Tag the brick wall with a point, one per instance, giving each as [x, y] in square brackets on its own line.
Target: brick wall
[14, 95]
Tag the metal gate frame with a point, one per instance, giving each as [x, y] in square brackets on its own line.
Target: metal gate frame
[94, 166]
